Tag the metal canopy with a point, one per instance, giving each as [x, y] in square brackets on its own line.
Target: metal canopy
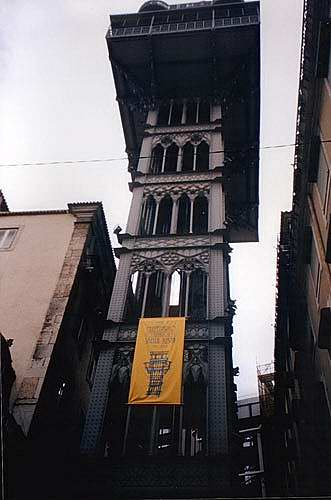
[180, 59]
[213, 58]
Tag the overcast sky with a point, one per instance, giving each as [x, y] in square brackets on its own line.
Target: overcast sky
[57, 103]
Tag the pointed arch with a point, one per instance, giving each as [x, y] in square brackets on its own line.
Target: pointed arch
[188, 157]
[176, 113]
[157, 159]
[148, 216]
[164, 216]
[174, 300]
[171, 157]
[204, 112]
[184, 213]
[202, 160]
[198, 289]
[163, 115]
[200, 215]
[154, 294]
[191, 112]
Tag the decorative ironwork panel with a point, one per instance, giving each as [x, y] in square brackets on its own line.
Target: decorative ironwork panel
[172, 241]
[117, 303]
[177, 189]
[127, 333]
[216, 284]
[170, 476]
[99, 397]
[217, 404]
[169, 261]
[193, 331]
[177, 178]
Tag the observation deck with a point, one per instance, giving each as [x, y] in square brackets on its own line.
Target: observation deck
[208, 50]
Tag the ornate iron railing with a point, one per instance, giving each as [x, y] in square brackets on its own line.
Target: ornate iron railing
[183, 26]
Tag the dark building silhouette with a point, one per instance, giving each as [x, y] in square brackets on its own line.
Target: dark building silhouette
[303, 326]
[187, 83]
[258, 431]
[251, 459]
[53, 312]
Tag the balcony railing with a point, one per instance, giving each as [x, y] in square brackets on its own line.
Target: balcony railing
[183, 26]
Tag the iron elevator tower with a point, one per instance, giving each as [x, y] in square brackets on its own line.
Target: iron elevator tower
[187, 83]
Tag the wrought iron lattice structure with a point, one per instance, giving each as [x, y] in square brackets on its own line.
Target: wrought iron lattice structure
[266, 384]
[187, 83]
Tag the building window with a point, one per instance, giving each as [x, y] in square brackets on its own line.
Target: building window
[248, 441]
[164, 216]
[163, 115]
[176, 113]
[191, 112]
[7, 236]
[200, 215]
[198, 289]
[315, 268]
[323, 176]
[323, 54]
[204, 112]
[188, 157]
[175, 302]
[154, 295]
[157, 159]
[184, 211]
[202, 160]
[148, 217]
[171, 156]
[197, 112]
[170, 114]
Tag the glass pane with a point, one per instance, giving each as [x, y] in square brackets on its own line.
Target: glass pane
[6, 238]
[243, 411]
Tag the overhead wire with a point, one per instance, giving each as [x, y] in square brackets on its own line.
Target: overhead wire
[138, 157]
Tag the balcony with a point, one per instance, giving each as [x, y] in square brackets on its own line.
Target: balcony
[183, 27]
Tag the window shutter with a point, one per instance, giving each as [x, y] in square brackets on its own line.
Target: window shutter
[322, 63]
[324, 331]
[308, 238]
[314, 154]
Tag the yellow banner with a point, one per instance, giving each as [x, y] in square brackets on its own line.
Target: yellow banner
[158, 362]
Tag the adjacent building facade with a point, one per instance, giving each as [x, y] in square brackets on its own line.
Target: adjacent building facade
[303, 307]
[57, 271]
[251, 462]
[187, 82]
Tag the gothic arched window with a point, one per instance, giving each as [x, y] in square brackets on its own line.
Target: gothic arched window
[176, 113]
[188, 157]
[200, 215]
[174, 301]
[197, 302]
[184, 213]
[191, 112]
[157, 159]
[154, 295]
[148, 216]
[164, 216]
[138, 280]
[163, 115]
[202, 159]
[204, 112]
[171, 158]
